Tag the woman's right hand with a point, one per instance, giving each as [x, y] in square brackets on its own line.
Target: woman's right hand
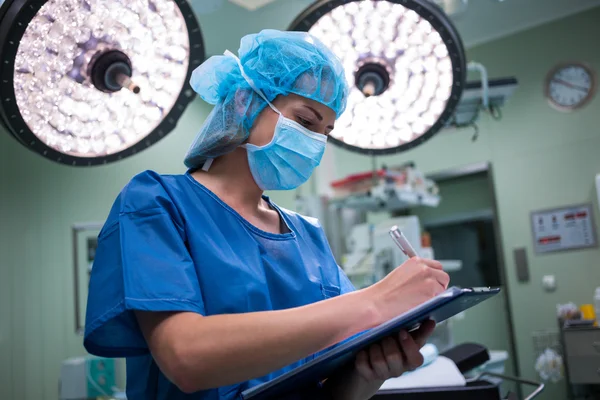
[409, 285]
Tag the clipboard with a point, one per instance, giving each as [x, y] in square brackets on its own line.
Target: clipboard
[451, 302]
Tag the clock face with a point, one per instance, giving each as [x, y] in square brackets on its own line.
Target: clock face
[570, 86]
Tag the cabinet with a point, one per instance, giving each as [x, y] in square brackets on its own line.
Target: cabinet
[581, 348]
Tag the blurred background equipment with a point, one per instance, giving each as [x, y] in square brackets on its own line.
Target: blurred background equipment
[574, 354]
[91, 82]
[562, 229]
[386, 188]
[87, 378]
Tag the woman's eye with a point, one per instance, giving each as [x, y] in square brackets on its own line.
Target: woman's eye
[303, 121]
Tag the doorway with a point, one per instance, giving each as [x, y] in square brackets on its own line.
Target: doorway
[465, 228]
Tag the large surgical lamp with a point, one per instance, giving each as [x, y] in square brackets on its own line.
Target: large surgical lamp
[87, 82]
[406, 65]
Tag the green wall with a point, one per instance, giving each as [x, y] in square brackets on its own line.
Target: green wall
[540, 159]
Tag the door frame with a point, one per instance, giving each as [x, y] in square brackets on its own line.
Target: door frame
[486, 168]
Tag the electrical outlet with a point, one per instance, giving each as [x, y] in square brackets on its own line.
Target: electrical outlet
[549, 283]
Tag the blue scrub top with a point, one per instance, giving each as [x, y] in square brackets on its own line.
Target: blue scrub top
[170, 244]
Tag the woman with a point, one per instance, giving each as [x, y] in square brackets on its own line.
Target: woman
[206, 286]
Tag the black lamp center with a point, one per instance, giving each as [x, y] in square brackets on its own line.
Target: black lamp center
[111, 71]
[372, 79]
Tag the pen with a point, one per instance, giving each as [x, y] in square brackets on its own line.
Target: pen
[402, 242]
[410, 252]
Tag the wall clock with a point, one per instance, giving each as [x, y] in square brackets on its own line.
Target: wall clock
[570, 86]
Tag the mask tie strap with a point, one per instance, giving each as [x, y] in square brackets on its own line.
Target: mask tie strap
[250, 81]
[207, 164]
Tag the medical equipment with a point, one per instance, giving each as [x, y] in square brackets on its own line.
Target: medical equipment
[467, 372]
[388, 189]
[359, 259]
[566, 228]
[407, 64]
[477, 96]
[86, 378]
[404, 177]
[372, 254]
[479, 388]
[87, 83]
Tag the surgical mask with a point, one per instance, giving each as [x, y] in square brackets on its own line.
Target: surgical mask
[289, 159]
[292, 155]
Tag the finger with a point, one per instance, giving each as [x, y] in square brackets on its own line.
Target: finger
[378, 363]
[442, 277]
[363, 367]
[412, 355]
[430, 263]
[445, 279]
[422, 334]
[393, 356]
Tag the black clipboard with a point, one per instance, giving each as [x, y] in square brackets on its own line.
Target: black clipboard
[453, 301]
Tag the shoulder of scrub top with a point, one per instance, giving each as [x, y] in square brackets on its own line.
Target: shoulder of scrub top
[145, 193]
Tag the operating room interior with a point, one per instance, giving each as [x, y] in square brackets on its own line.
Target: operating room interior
[508, 157]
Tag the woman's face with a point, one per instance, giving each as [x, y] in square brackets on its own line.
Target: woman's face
[311, 114]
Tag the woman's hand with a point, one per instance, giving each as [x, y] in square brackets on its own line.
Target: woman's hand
[384, 360]
[409, 285]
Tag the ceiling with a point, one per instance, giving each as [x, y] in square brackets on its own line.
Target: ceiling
[487, 20]
[481, 21]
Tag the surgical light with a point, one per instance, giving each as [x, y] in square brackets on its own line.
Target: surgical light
[87, 82]
[405, 62]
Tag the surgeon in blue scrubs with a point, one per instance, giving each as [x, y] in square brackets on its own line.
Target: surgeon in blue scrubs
[205, 285]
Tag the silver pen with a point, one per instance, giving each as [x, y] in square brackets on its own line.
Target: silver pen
[402, 242]
[410, 252]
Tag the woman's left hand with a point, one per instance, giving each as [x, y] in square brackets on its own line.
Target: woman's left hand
[387, 359]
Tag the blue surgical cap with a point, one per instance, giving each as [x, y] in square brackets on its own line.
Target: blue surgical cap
[279, 63]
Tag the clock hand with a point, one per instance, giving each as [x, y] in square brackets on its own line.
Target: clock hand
[569, 84]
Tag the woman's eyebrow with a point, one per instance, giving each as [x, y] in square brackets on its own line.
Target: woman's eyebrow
[317, 114]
